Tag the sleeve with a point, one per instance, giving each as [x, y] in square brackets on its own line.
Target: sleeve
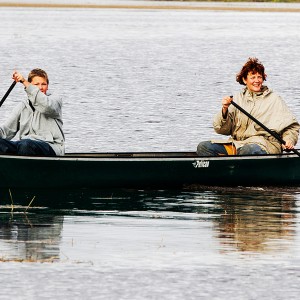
[291, 133]
[224, 125]
[288, 126]
[49, 105]
[11, 126]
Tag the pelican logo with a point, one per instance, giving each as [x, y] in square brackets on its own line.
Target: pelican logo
[201, 163]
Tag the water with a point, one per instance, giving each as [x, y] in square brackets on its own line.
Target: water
[145, 80]
[148, 80]
[152, 244]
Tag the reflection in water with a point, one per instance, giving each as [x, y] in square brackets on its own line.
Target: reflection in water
[256, 221]
[251, 220]
[33, 236]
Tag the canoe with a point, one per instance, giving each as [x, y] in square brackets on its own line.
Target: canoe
[153, 169]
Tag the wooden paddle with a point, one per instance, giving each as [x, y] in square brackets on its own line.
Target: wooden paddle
[274, 134]
[7, 93]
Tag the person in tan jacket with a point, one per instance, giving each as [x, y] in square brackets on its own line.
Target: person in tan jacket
[247, 137]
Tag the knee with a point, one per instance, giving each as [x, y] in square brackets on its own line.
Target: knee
[205, 149]
[251, 149]
[25, 147]
[7, 147]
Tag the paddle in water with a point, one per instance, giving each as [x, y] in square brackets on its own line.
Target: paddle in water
[274, 134]
[7, 93]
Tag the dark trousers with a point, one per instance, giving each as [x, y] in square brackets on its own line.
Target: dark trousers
[208, 148]
[26, 147]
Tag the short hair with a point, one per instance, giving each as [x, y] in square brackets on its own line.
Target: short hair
[253, 65]
[37, 72]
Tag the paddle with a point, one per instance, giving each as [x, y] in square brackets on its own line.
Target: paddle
[7, 93]
[274, 134]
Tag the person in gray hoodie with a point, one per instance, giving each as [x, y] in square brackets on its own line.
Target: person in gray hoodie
[246, 136]
[36, 123]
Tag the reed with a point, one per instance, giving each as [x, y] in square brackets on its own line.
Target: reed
[29, 204]
[12, 201]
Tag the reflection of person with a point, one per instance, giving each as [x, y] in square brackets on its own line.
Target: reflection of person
[263, 104]
[37, 120]
[37, 239]
[251, 222]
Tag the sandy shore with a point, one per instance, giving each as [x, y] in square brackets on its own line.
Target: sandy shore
[156, 5]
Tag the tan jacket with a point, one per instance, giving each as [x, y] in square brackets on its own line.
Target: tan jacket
[268, 108]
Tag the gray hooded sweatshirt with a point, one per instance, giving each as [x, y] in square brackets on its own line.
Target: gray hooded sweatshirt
[42, 121]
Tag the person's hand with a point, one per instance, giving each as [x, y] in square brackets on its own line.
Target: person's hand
[288, 145]
[226, 101]
[18, 77]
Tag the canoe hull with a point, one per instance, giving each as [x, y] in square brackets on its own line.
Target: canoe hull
[147, 170]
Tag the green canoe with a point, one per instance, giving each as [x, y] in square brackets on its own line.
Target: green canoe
[155, 169]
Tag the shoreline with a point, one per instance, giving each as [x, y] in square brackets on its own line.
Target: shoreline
[172, 6]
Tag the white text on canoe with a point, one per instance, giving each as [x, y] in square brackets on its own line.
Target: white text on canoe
[201, 164]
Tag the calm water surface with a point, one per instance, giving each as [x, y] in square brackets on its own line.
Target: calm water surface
[148, 80]
[145, 80]
[128, 244]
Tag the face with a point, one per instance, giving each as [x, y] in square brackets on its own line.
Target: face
[41, 83]
[254, 82]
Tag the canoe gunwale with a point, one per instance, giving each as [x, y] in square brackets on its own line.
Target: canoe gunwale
[135, 156]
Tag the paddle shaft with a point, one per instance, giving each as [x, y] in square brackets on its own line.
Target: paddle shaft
[274, 134]
[7, 93]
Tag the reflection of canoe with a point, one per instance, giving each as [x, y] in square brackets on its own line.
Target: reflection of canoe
[156, 169]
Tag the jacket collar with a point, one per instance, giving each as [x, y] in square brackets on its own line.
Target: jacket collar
[263, 92]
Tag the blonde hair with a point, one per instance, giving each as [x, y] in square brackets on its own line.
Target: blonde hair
[37, 72]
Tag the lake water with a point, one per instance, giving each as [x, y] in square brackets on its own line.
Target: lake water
[148, 80]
